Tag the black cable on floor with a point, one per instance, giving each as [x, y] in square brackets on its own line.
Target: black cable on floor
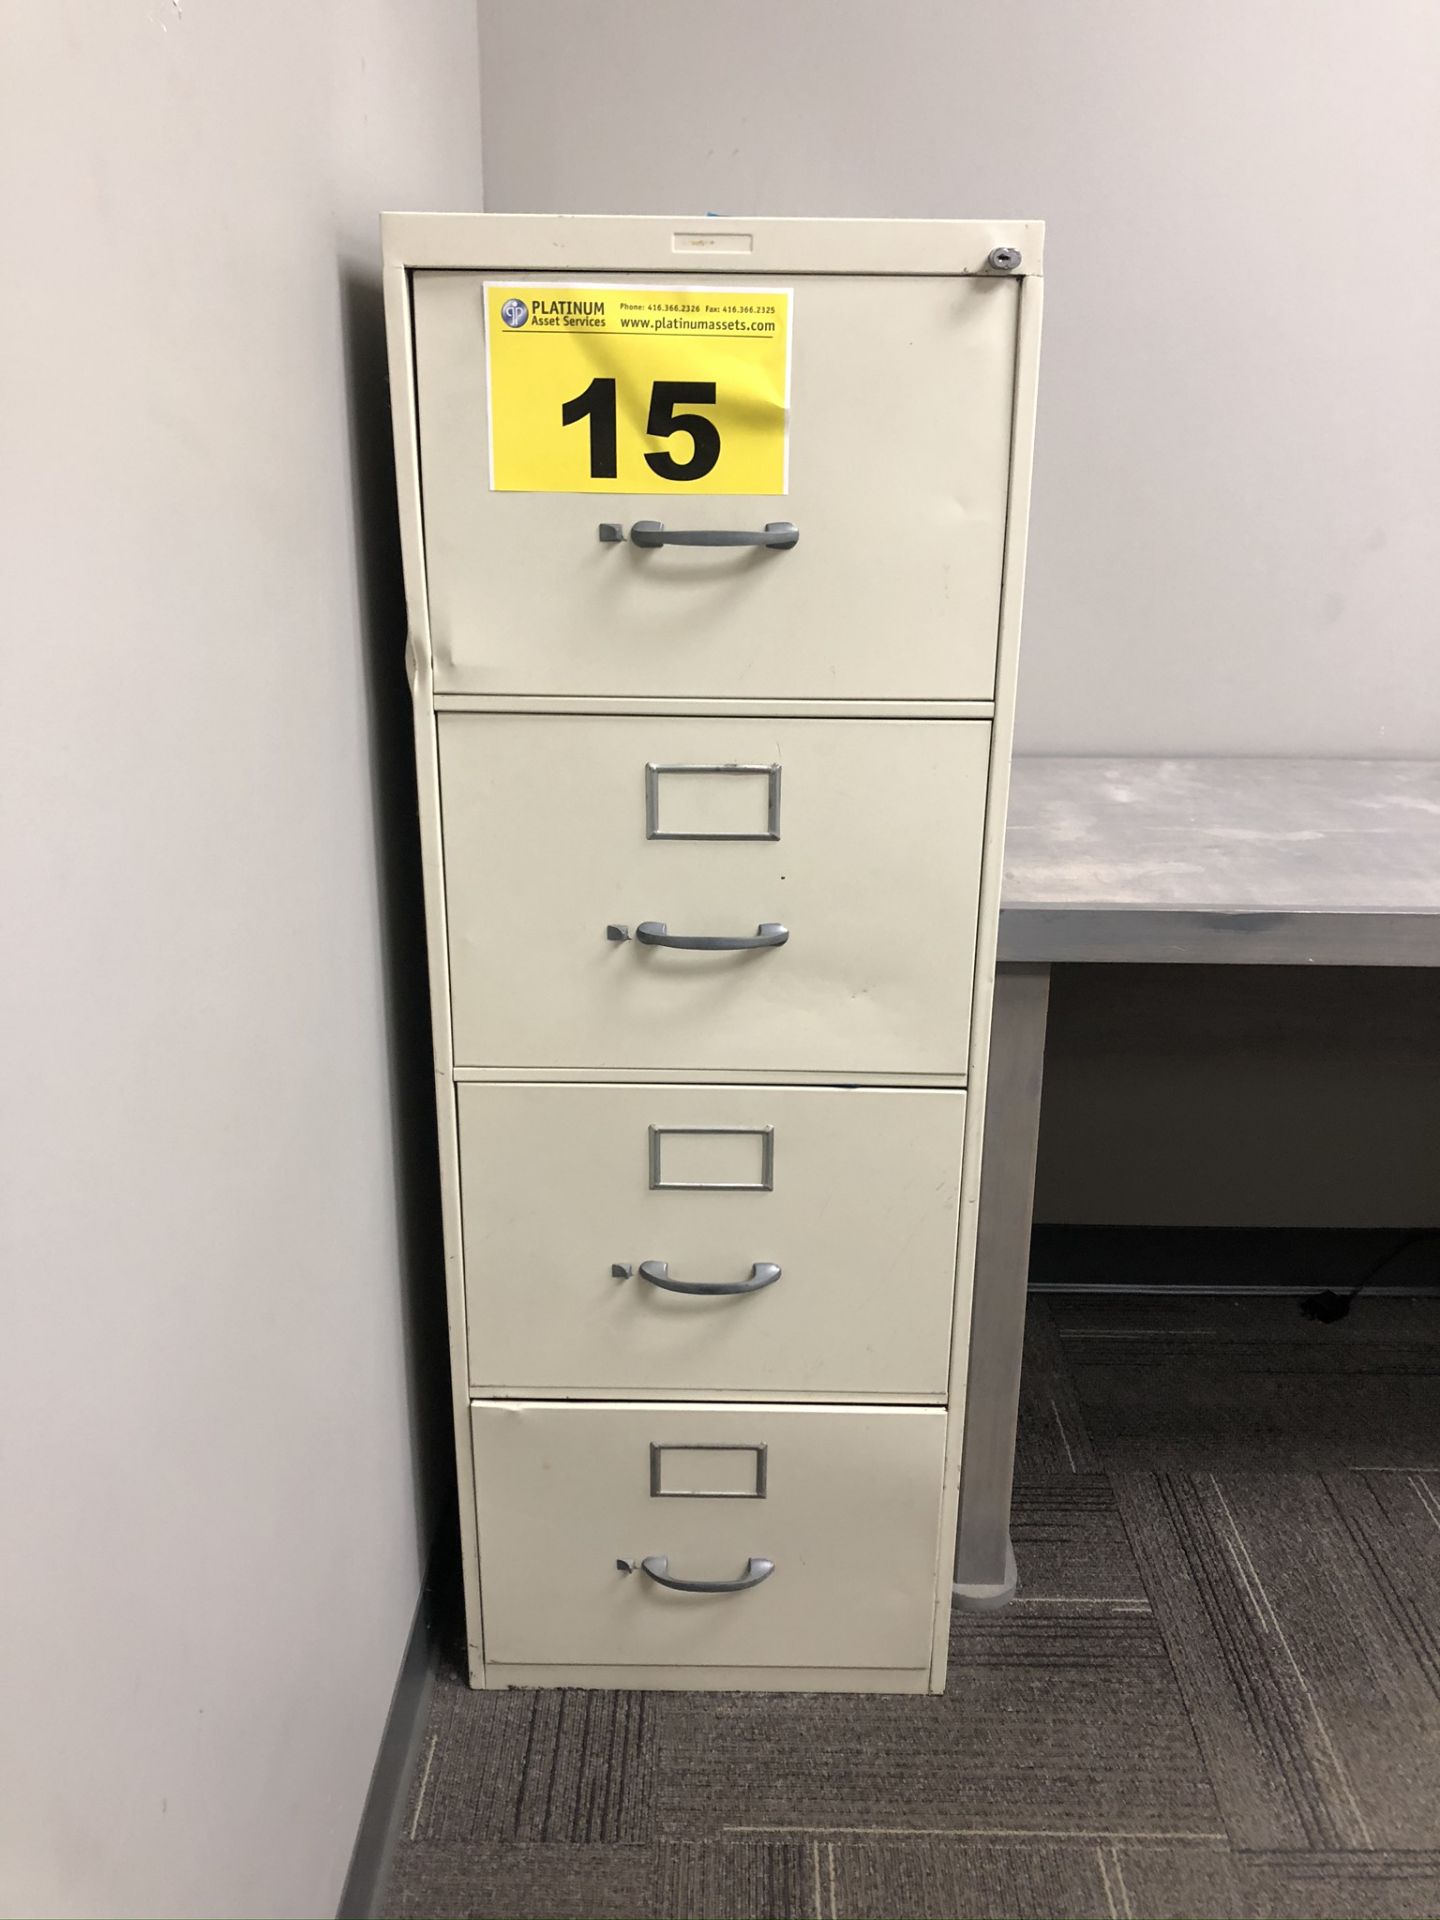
[1329, 1305]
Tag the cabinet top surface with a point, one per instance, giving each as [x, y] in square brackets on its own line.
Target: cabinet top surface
[703, 243]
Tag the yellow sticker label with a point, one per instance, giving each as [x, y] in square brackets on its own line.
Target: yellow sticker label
[621, 389]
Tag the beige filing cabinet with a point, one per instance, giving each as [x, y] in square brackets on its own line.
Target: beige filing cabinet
[714, 539]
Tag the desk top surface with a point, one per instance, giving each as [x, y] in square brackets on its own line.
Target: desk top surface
[1257, 850]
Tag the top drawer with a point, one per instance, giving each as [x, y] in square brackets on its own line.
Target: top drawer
[901, 397]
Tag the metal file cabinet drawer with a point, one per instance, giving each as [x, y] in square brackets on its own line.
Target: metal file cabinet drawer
[843, 1503]
[899, 464]
[852, 1196]
[572, 844]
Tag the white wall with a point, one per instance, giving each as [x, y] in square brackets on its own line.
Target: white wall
[1237, 518]
[1236, 533]
[212, 1525]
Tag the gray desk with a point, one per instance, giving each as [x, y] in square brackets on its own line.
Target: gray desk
[1330, 863]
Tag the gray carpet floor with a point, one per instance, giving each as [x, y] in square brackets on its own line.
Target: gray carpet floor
[1218, 1692]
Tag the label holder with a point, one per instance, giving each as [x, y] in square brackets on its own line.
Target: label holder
[654, 769]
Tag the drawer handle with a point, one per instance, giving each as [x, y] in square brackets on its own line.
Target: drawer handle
[654, 533]
[658, 1568]
[657, 1272]
[655, 933]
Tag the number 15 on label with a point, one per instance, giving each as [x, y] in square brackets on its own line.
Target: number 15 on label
[597, 405]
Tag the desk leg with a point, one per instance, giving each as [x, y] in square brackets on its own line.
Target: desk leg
[984, 1560]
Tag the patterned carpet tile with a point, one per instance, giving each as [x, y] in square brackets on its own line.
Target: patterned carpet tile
[1173, 1883]
[1365, 1680]
[1194, 1883]
[1393, 1522]
[1052, 1440]
[1055, 1719]
[1230, 1423]
[919, 1878]
[741, 1879]
[1339, 1886]
[1313, 1698]
[1236, 1386]
[524, 1881]
[1071, 1545]
[966, 1880]
[567, 1764]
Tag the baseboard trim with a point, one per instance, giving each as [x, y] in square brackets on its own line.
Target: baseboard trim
[1400, 1262]
[1214, 1290]
[379, 1828]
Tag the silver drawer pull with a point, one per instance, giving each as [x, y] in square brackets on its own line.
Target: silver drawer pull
[658, 1568]
[657, 1272]
[655, 933]
[654, 533]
